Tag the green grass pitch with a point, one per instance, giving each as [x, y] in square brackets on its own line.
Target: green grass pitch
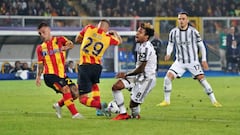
[27, 110]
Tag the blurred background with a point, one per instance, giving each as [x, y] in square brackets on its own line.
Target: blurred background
[216, 20]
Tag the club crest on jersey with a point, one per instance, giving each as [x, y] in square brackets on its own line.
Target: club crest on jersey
[51, 52]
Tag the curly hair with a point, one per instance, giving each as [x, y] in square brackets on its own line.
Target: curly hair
[148, 28]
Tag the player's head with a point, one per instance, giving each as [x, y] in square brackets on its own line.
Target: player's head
[144, 32]
[183, 20]
[44, 31]
[104, 24]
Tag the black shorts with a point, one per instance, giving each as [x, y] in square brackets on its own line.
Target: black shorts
[56, 83]
[88, 75]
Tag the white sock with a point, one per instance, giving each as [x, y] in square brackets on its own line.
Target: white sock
[135, 111]
[208, 90]
[167, 96]
[167, 89]
[118, 96]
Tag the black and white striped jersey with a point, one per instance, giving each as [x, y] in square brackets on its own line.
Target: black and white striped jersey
[186, 44]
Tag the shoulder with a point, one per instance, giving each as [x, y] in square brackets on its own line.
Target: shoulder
[89, 26]
[193, 29]
[174, 30]
[39, 47]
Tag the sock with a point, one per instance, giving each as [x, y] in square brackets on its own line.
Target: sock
[67, 97]
[61, 102]
[167, 89]
[90, 102]
[208, 89]
[135, 111]
[118, 96]
[95, 92]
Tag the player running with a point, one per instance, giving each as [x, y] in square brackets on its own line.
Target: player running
[94, 42]
[51, 62]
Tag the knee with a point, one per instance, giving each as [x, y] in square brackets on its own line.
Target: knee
[118, 86]
[167, 80]
[65, 89]
[74, 91]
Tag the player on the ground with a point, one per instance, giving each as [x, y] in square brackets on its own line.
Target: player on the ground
[94, 42]
[142, 79]
[51, 62]
[187, 40]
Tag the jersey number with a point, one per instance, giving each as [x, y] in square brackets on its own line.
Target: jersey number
[97, 47]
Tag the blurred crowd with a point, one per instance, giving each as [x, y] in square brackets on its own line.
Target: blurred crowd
[8, 68]
[121, 8]
[37, 8]
[229, 49]
[161, 8]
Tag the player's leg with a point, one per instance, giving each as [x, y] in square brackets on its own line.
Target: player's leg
[68, 101]
[176, 70]
[167, 87]
[119, 98]
[138, 94]
[127, 83]
[59, 85]
[74, 91]
[208, 89]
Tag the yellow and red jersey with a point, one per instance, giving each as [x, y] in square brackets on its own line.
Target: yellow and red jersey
[94, 44]
[51, 55]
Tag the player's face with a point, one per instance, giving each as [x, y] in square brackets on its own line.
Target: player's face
[140, 35]
[182, 21]
[44, 33]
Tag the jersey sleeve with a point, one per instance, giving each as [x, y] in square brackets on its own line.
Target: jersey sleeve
[39, 54]
[114, 41]
[197, 34]
[82, 32]
[62, 40]
[170, 43]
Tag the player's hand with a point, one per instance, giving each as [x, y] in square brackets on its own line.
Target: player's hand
[121, 75]
[111, 32]
[38, 81]
[68, 45]
[167, 57]
[205, 65]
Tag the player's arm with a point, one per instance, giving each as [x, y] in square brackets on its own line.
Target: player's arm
[169, 46]
[39, 73]
[169, 51]
[79, 38]
[204, 55]
[68, 45]
[138, 70]
[39, 65]
[80, 35]
[116, 35]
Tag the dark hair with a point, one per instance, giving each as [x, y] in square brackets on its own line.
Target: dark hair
[148, 29]
[183, 12]
[42, 24]
[105, 20]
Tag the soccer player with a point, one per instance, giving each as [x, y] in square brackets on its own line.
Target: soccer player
[94, 41]
[142, 79]
[187, 40]
[51, 62]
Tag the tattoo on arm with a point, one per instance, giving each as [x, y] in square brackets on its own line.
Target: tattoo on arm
[40, 69]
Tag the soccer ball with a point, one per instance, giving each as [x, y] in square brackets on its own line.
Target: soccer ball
[113, 107]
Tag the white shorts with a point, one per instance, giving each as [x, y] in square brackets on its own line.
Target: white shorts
[139, 88]
[179, 68]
